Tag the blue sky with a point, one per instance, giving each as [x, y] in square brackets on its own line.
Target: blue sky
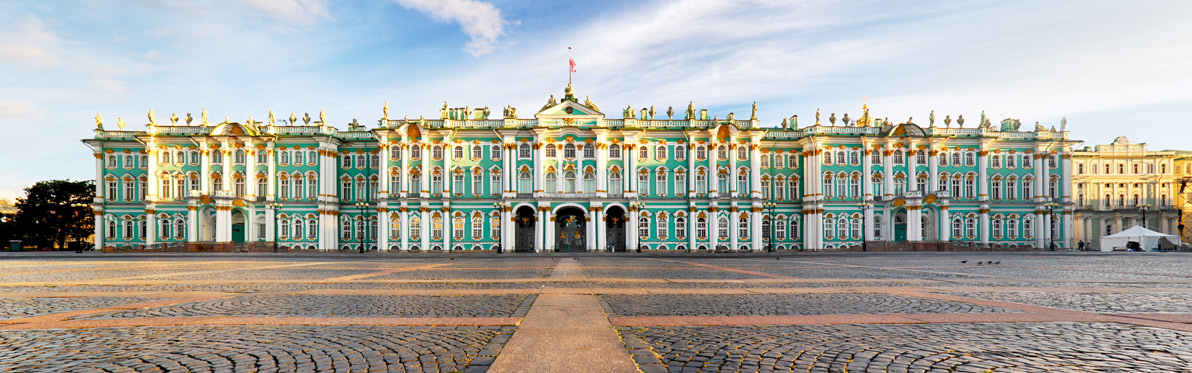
[1111, 67]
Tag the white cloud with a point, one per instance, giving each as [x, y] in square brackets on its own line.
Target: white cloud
[16, 109]
[304, 12]
[480, 20]
[31, 44]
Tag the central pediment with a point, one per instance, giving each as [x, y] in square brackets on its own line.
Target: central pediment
[569, 108]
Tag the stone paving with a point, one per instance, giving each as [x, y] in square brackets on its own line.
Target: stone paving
[781, 304]
[815, 312]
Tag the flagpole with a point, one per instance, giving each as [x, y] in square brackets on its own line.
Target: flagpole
[569, 68]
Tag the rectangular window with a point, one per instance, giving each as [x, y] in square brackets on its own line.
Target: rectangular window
[495, 152]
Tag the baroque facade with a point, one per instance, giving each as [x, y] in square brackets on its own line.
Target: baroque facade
[570, 179]
[1123, 184]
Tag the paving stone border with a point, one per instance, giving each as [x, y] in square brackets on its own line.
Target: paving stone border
[1098, 302]
[11, 308]
[782, 304]
[514, 305]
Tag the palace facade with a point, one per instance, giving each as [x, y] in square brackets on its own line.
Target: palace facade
[1123, 184]
[570, 179]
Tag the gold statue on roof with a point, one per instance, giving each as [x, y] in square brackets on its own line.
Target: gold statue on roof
[271, 117]
[98, 121]
[754, 115]
[152, 118]
[323, 116]
[588, 102]
[385, 111]
[817, 116]
[173, 119]
[120, 123]
[203, 118]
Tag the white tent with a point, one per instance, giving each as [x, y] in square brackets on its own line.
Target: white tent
[1147, 239]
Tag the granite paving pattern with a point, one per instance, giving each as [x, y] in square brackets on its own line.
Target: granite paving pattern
[782, 304]
[342, 306]
[1101, 302]
[253, 348]
[911, 348]
[25, 307]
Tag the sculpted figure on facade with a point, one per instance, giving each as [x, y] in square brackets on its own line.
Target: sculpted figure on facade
[98, 121]
[817, 116]
[272, 117]
[754, 115]
[203, 118]
[931, 119]
[588, 102]
[323, 116]
[690, 110]
[385, 111]
[152, 118]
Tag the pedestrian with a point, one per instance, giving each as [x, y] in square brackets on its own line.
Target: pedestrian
[1081, 245]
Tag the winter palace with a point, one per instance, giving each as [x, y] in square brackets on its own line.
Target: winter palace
[569, 179]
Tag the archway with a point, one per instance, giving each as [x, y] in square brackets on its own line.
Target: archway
[207, 225]
[930, 229]
[569, 222]
[237, 226]
[900, 226]
[524, 222]
[615, 229]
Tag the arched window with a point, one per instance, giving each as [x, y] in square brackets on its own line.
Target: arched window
[477, 152]
[742, 153]
[283, 188]
[457, 153]
[743, 227]
[660, 227]
[614, 151]
[494, 183]
[416, 152]
[997, 228]
[551, 151]
[297, 228]
[765, 188]
[568, 180]
[828, 185]
[743, 183]
[701, 228]
[525, 182]
[854, 157]
[523, 151]
[680, 152]
[780, 161]
[345, 229]
[415, 228]
[845, 226]
[614, 182]
[659, 183]
[779, 191]
[312, 227]
[795, 232]
[780, 228]
[163, 227]
[957, 227]
[643, 182]
[494, 225]
[643, 227]
[722, 227]
[569, 151]
[766, 228]
[643, 152]
[793, 191]
[840, 158]
[457, 228]
[552, 182]
[877, 227]
[970, 158]
[589, 180]
[829, 227]
[681, 228]
[970, 187]
[920, 158]
[898, 157]
[1028, 226]
[436, 228]
[660, 152]
[589, 151]
[681, 183]
[701, 182]
[457, 182]
[970, 227]
[1027, 192]
[179, 228]
[995, 189]
[722, 152]
[854, 186]
[701, 152]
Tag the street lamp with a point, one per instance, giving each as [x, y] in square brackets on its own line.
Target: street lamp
[1051, 208]
[500, 232]
[77, 206]
[864, 206]
[1144, 207]
[275, 207]
[770, 237]
[360, 239]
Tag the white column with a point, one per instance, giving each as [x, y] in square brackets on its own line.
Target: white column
[732, 176]
[755, 174]
[425, 187]
[405, 224]
[205, 169]
[912, 167]
[867, 166]
[151, 227]
[933, 171]
[549, 228]
[226, 180]
[448, 173]
[598, 219]
[382, 229]
[540, 174]
[944, 223]
[868, 216]
[405, 183]
[691, 175]
[983, 223]
[601, 170]
[153, 180]
[192, 224]
[540, 226]
[713, 227]
[383, 173]
[755, 228]
[888, 178]
[713, 177]
[272, 176]
[691, 219]
[250, 179]
[733, 221]
[99, 228]
[447, 229]
[982, 174]
[914, 223]
[631, 237]
[590, 230]
[270, 218]
[631, 168]
[425, 222]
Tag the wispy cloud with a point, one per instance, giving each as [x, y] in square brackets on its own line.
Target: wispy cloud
[480, 20]
[304, 12]
[31, 43]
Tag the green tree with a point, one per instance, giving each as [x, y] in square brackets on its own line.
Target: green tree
[55, 212]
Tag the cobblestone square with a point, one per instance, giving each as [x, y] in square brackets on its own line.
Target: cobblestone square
[813, 312]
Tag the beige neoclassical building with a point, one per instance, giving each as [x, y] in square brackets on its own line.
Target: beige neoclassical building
[1123, 184]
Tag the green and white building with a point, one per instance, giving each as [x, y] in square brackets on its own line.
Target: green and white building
[570, 179]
